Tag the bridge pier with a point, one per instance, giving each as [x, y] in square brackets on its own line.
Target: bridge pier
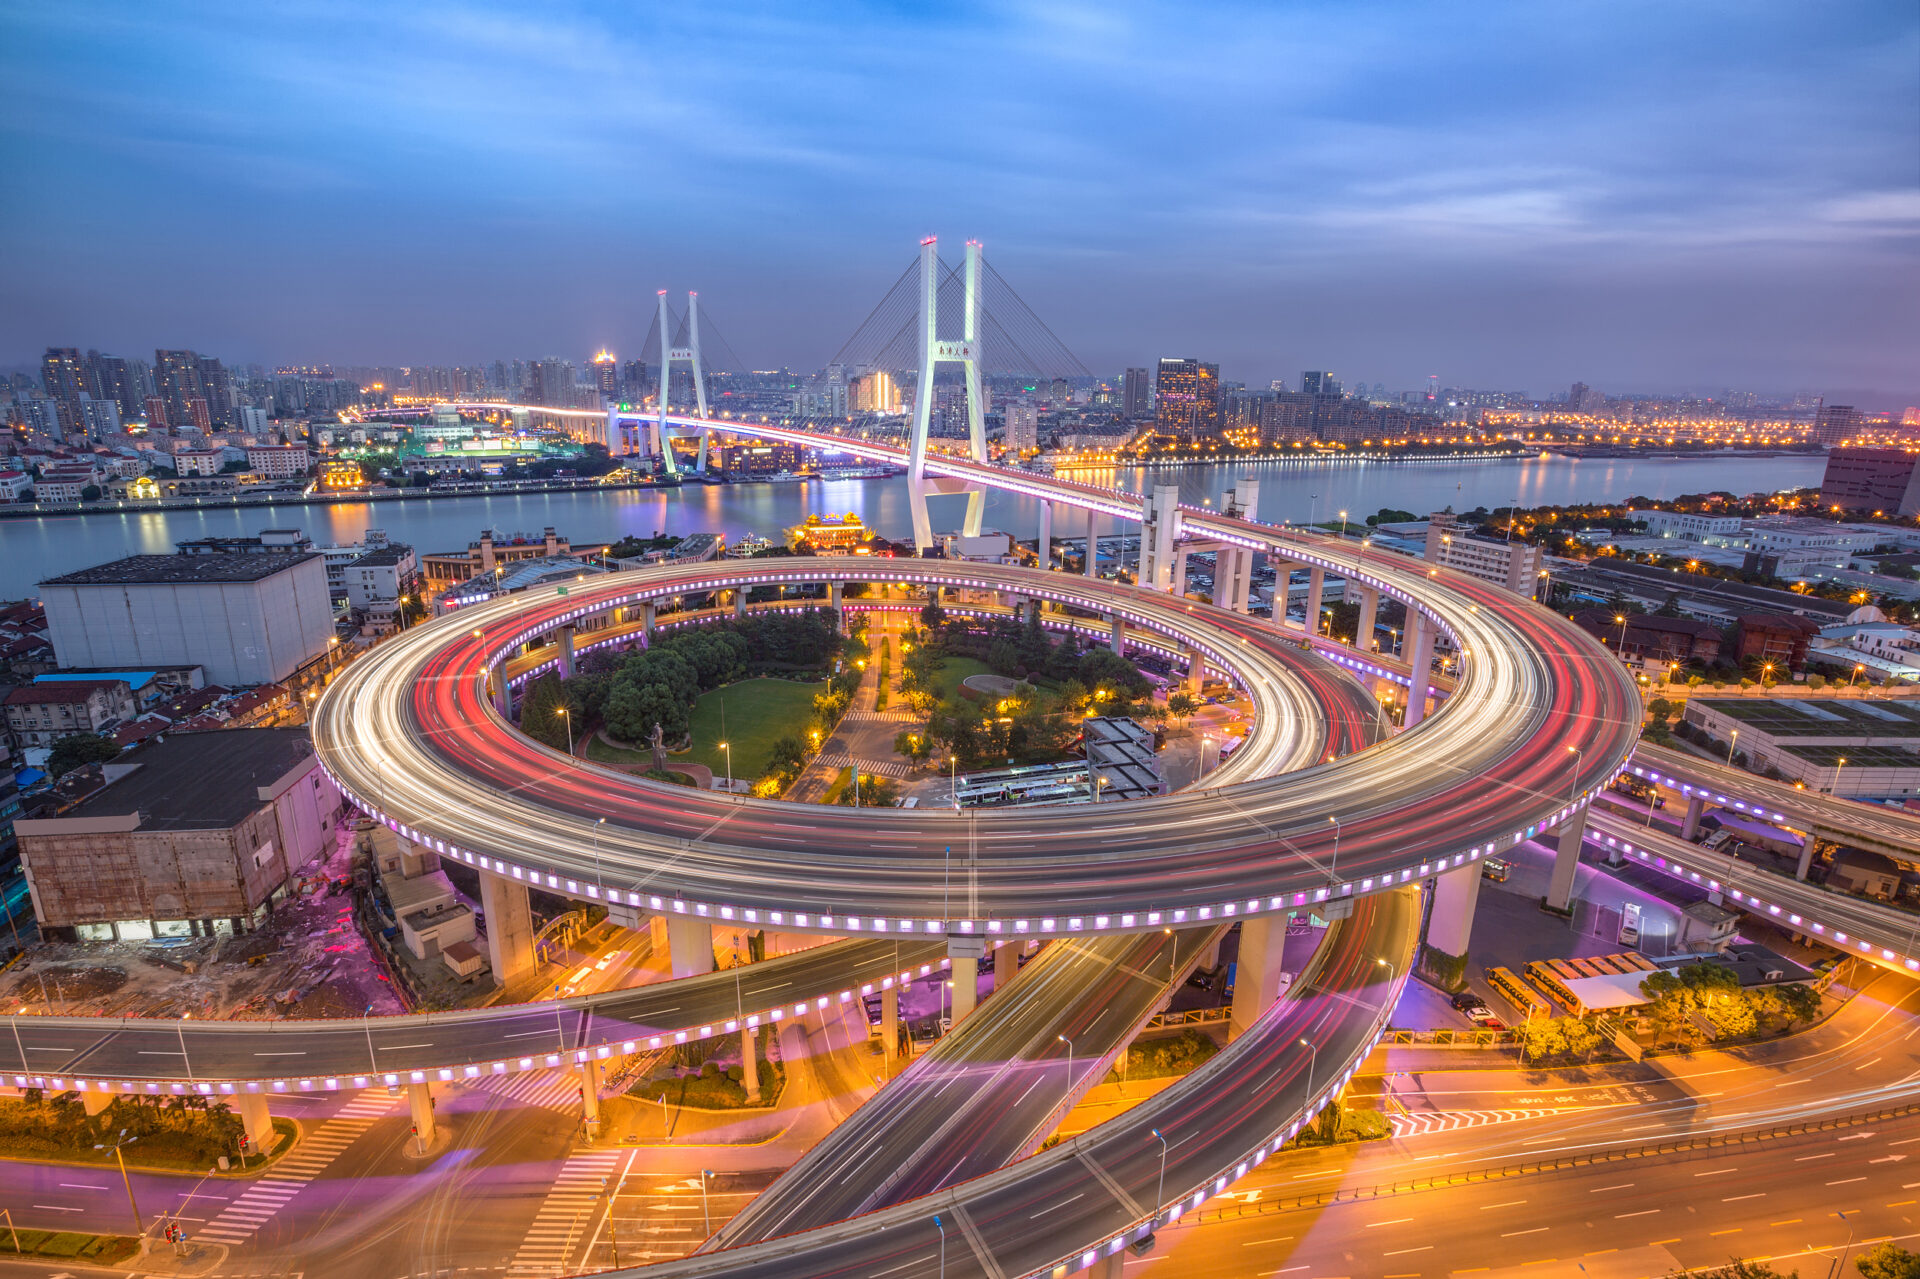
[833, 602]
[420, 1104]
[252, 1109]
[1243, 581]
[509, 926]
[1092, 567]
[749, 1065]
[1196, 672]
[1119, 643]
[689, 944]
[1420, 667]
[1006, 964]
[1369, 612]
[1690, 826]
[890, 1023]
[1043, 544]
[647, 610]
[1111, 1266]
[590, 1096]
[502, 693]
[1256, 980]
[1455, 894]
[1179, 572]
[739, 601]
[1316, 589]
[1805, 863]
[566, 651]
[964, 953]
[1566, 860]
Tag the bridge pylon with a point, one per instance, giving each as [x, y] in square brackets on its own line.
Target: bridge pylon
[669, 356]
[935, 351]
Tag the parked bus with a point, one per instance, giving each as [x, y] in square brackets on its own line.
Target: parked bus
[1522, 998]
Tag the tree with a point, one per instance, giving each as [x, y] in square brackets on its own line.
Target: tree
[1181, 706]
[91, 493]
[1802, 1002]
[540, 707]
[915, 746]
[1736, 1269]
[1660, 709]
[78, 750]
[1888, 1261]
[1582, 1039]
[932, 616]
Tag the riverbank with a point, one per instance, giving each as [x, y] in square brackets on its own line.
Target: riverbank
[353, 497]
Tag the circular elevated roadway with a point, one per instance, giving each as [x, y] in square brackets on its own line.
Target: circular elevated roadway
[1539, 718]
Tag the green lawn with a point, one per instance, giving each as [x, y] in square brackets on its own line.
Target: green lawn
[756, 711]
[957, 671]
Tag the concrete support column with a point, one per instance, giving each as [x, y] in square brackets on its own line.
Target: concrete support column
[1006, 964]
[252, 1109]
[93, 1102]
[566, 651]
[1108, 1267]
[1196, 672]
[1043, 545]
[966, 987]
[1226, 572]
[689, 945]
[890, 1022]
[590, 1095]
[1256, 979]
[833, 598]
[1566, 859]
[1282, 587]
[509, 926]
[1421, 665]
[1369, 617]
[1092, 566]
[1243, 582]
[1690, 826]
[1806, 859]
[739, 601]
[502, 694]
[1455, 893]
[1119, 642]
[749, 1064]
[965, 953]
[1316, 586]
[420, 1103]
[1179, 571]
[1210, 957]
[647, 610]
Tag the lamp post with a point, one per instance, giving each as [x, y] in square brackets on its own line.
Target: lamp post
[1069, 1043]
[938, 1225]
[706, 1210]
[1160, 1194]
[1311, 1063]
[1857, 668]
[598, 822]
[728, 748]
[1840, 764]
[562, 713]
[1731, 739]
[1333, 867]
[1573, 789]
[1622, 619]
[120, 1159]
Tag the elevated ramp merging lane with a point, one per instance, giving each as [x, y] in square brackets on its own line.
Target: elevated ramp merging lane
[216, 1058]
[988, 1093]
[1541, 718]
[1870, 826]
[1870, 930]
[1090, 1196]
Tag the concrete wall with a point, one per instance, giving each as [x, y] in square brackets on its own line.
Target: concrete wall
[241, 632]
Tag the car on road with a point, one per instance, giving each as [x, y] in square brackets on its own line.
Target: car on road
[1466, 999]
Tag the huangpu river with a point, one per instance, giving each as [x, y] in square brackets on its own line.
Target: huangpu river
[1292, 489]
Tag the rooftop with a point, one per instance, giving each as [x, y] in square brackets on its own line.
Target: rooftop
[73, 690]
[199, 781]
[161, 570]
[1822, 718]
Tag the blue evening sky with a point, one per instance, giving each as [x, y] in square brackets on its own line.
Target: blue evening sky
[1653, 196]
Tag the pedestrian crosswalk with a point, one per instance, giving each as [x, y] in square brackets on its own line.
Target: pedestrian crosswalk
[553, 1089]
[867, 767]
[893, 715]
[1421, 1123]
[565, 1220]
[257, 1204]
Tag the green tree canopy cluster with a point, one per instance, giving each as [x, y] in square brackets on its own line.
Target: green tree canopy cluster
[1697, 1003]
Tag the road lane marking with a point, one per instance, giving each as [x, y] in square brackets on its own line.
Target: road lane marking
[1514, 1234]
[1644, 1212]
[1397, 1221]
[1800, 1159]
[1508, 1204]
[1731, 1199]
[1716, 1172]
[1401, 1252]
[1625, 1185]
[1257, 1242]
[1712, 1233]
[58, 1208]
[1846, 1181]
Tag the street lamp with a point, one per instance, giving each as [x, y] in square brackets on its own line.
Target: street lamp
[943, 1246]
[1734, 737]
[1311, 1063]
[705, 1210]
[1573, 791]
[1333, 868]
[728, 748]
[598, 822]
[1622, 619]
[1160, 1195]
[1835, 788]
[562, 713]
[124, 1140]
[1858, 667]
[1069, 1043]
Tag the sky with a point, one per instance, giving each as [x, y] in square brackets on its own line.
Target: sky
[1648, 197]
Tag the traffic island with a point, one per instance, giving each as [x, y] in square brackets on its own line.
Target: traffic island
[69, 1246]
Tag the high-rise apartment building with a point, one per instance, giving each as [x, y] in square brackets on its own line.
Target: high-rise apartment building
[606, 376]
[176, 381]
[1023, 425]
[550, 382]
[216, 385]
[1835, 423]
[1136, 399]
[65, 379]
[634, 383]
[1319, 382]
[1187, 399]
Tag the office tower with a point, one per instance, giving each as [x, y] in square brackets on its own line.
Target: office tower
[253, 421]
[633, 381]
[550, 382]
[1885, 480]
[1136, 398]
[1187, 399]
[1319, 383]
[1835, 423]
[606, 376]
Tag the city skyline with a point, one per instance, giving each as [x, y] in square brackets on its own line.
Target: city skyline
[1642, 201]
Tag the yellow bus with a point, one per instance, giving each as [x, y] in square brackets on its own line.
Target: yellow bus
[1524, 1000]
